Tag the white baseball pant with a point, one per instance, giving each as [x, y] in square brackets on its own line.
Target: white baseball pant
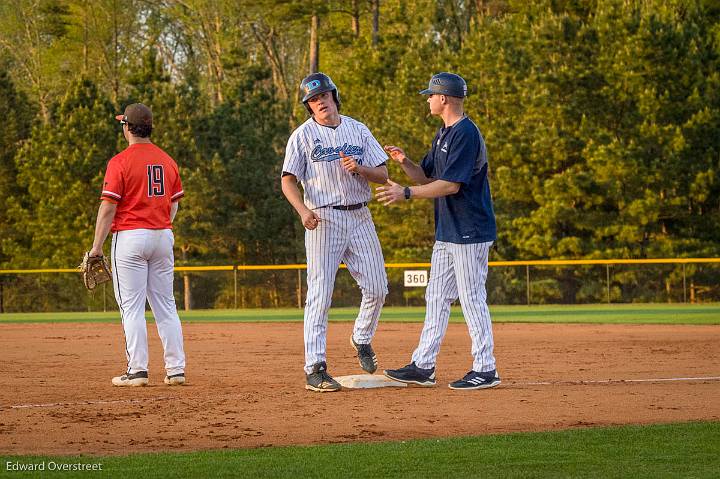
[142, 264]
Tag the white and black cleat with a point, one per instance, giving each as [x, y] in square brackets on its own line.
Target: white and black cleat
[139, 378]
[175, 379]
[320, 381]
[366, 356]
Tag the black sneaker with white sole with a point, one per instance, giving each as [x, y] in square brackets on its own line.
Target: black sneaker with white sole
[319, 380]
[412, 374]
[139, 378]
[476, 380]
[366, 356]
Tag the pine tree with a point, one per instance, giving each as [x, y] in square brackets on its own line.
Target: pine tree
[61, 170]
[15, 109]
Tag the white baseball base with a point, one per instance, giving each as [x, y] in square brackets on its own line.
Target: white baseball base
[365, 381]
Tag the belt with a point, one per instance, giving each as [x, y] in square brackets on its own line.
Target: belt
[356, 206]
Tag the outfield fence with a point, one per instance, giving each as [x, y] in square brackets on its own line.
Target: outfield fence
[674, 280]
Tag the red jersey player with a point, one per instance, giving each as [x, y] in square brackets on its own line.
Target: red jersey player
[140, 197]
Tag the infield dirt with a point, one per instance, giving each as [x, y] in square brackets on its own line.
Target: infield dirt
[246, 386]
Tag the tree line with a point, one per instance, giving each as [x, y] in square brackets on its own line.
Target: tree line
[601, 119]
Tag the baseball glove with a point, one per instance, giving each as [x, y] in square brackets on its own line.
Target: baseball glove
[95, 270]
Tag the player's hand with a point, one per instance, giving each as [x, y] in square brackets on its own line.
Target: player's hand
[396, 153]
[389, 193]
[96, 252]
[349, 163]
[310, 219]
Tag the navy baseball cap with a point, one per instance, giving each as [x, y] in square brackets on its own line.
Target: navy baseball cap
[448, 84]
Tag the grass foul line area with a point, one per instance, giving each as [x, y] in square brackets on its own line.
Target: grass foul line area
[670, 450]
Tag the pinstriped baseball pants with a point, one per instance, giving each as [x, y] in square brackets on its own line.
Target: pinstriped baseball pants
[457, 271]
[350, 237]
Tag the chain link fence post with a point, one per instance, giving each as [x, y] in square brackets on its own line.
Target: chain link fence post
[235, 285]
[527, 282]
[607, 279]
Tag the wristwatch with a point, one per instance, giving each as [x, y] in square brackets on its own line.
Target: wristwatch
[407, 193]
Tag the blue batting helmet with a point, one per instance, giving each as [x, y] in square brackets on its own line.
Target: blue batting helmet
[315, 84]
[448, 84]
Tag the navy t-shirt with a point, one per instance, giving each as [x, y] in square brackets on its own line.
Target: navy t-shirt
[458, 154]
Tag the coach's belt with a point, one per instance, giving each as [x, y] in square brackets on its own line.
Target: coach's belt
[356, 206]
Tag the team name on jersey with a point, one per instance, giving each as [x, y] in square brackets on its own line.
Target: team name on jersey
[321, 153]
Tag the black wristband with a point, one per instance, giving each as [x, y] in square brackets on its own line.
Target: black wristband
[407, 193]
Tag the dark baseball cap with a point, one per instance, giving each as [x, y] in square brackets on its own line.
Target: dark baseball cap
[136, 114]
[315, 84]
[448, 84]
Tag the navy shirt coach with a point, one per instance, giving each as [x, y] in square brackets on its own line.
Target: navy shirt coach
[458, 154]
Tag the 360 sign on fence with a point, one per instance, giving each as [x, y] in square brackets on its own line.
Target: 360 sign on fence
[416, 278]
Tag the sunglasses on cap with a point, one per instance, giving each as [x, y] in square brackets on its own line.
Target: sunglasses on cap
[124, 120]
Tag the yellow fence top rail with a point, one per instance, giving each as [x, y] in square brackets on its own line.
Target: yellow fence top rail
[267, 267]
[567, 262]
[204, 268]
[49, 270]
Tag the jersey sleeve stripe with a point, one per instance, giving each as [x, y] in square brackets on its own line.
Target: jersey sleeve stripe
[110, 194]
[178, 195]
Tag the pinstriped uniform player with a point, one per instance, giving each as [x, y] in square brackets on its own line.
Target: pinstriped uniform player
[334, 156]
[454, 174]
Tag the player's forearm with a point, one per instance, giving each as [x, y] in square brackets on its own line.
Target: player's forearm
[434, 189]
[414, 172]
[292, 193]
[173, 210]
[106, 214]
[377, 174]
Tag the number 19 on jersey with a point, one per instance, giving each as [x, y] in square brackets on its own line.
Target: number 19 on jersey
[156, 180]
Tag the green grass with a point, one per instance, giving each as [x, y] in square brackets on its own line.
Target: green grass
[591, 313]
[658, 451]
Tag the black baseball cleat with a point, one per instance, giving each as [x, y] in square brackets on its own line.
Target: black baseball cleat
[139, 378]
[412, 374]
[175, 379]
[476, 380]
[319, 380]
[366, 356]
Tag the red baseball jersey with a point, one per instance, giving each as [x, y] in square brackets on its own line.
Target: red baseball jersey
[144, 181]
